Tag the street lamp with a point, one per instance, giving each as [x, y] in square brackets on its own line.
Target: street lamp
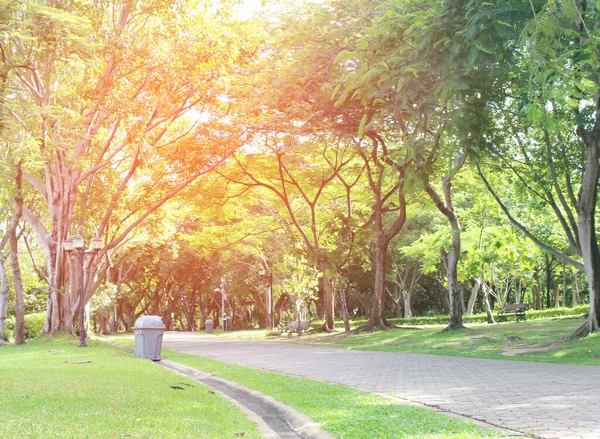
[263, 273]
[77, 246]
[221, 289]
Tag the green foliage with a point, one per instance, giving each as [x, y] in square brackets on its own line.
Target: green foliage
[300, 280]
[34, 324]
[104, 298]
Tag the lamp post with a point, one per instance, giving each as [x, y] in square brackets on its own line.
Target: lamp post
[221, 289]
[77, 246]
[223, 299]
[263, 273]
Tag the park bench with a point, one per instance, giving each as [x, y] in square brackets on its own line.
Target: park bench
[298, 326]
[516, 309]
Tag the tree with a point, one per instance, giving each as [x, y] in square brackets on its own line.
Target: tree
[301, 194]
[115, 124]
[552, 121]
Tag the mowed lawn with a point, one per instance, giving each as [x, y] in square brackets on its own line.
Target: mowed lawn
[341, 410]
[50, 388]
[542, 340]
[546, 340]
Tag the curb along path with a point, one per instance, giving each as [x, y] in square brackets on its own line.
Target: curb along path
[275, 420]
[549, 401]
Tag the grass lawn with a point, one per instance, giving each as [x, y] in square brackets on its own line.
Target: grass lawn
[345, 412]
[545, 340]
[50, 388]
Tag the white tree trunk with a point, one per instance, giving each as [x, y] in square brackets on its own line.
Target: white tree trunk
[406, 296]
[575, 289]
[486, 303]
[473, 297]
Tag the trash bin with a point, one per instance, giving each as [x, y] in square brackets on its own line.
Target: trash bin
[148, 332]
[209, 326]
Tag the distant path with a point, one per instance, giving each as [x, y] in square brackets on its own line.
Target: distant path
[547, 400]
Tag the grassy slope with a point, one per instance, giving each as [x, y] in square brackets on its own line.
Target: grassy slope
[51, 388]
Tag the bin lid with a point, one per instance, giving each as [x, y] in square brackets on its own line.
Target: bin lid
[149, 322]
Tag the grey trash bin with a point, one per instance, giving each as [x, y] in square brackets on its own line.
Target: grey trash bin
[210, 325]
[148, 332]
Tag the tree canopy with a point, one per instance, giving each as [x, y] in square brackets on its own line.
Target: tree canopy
[444, 155]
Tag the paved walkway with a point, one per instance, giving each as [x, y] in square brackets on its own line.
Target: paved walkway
[546, 400]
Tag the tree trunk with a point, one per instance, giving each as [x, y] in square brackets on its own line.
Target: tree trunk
[548, 280]
[451, 263]
[586, 209]
[377, 318]
[375, 175]
[261, 309]
[473, 297]
[397, 298]
[104, 320]
[406, 296]
[536, 291]
[279, 307]
[329, 297]
[345, 315]
[519, 295]
[446, 207]
[3, 299]
[19, 332]
[486, 303]
[575, 291]
[564, 290]
[556, 293]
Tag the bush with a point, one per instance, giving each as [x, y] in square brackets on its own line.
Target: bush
[34, 324]
[10, 326]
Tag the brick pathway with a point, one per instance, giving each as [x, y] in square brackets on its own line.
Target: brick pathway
[546, 400]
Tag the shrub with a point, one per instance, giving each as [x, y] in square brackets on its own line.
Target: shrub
[34, 324]
[10, 326]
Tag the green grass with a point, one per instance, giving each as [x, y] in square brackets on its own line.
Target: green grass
[52, 389]
[345, 412]
[544, 340]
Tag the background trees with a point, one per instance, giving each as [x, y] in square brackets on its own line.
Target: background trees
[202, 145]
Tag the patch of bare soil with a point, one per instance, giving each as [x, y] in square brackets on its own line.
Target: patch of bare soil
[511, 351]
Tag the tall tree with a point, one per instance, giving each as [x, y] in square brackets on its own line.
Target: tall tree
[19, 333]
[552, 121]
[299, 176]
[115, 122]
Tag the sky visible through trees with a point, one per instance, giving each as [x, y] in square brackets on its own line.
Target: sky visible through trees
[377, 159]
